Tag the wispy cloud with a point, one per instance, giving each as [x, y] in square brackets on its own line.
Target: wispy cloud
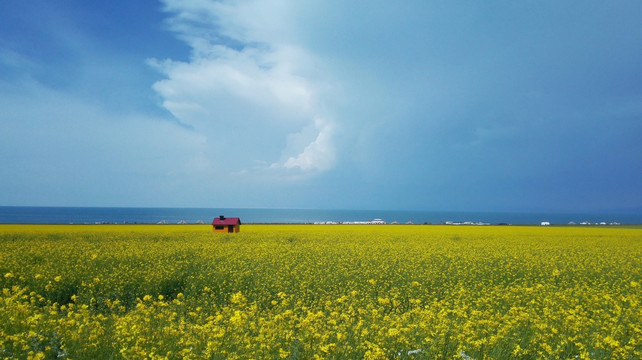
[58, 149]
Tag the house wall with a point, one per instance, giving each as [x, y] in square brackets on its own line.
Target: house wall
[225, 229]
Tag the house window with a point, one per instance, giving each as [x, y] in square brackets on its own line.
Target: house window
[219, 227]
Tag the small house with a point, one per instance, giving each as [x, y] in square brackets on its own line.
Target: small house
[222, 224]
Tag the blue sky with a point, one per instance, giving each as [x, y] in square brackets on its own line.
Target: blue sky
[418, 105]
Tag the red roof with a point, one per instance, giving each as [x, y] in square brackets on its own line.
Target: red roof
[226, 221]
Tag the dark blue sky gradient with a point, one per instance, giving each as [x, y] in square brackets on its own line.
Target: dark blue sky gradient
[492, 106]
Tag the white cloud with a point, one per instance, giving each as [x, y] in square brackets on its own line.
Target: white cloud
[317, 155]
[247, 88]
[258, 76]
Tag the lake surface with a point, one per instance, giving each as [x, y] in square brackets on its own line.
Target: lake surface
[115, 215]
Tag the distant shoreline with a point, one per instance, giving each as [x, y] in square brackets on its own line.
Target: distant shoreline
[112, 215]
[620, 226]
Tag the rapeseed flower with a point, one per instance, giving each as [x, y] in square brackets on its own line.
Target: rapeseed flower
[340, 292]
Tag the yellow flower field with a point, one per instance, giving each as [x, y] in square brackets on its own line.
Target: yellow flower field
[320, 292]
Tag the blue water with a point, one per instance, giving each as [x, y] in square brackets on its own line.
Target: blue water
[113, 215]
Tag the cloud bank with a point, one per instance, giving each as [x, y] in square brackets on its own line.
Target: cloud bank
[255, 95]
[322, 104]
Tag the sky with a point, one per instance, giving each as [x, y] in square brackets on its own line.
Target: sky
[416, 105]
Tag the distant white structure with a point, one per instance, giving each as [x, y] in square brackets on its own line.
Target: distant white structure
[545, 223]
[465, 223]
[371, 222]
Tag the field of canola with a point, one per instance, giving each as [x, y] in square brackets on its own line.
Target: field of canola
[320, 292]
